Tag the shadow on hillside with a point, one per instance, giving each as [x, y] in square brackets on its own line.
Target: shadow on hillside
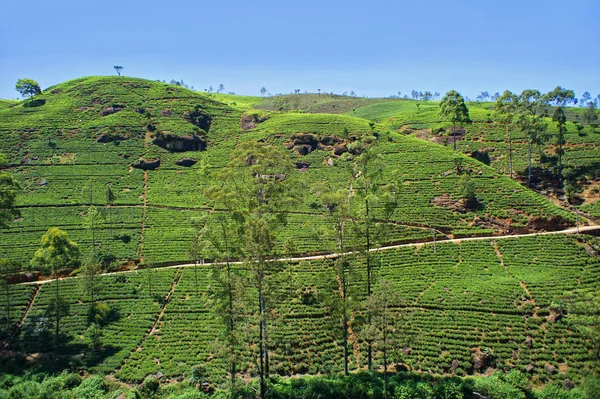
[37, 348]
[34, 103]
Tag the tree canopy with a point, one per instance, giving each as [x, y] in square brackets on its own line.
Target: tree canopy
[56, 250]
[28, 87]
[454, 109]
[9, 188]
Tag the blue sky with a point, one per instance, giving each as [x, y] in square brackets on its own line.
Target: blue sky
[375, 48]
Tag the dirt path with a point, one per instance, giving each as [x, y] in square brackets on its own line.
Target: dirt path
[144, 210]
[572, 230]
[29, 306]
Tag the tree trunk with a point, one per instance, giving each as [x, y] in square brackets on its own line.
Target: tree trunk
[454, 134]
[385, 365]
[56, 307]
[196, 276]
[369, 343]
[8, 322]
[510, 164]
[529, 167]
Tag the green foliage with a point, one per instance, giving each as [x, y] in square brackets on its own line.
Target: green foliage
[94, 335]
[9, 188]
[56, 251]
[28, 87]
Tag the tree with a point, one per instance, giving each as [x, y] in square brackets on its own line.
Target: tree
[94, 335]
[7, 269]
[28, 87]
[414, 94]
[382, 328]
[255, 186]
[368, 174]
[227, 293]
[56, 251]
[91, 219]
[453, 108]
[221, 88]
[507, 107]
[110, 200]
[9, 188]
[585, 98]
[118, 68]
[589, 115]
[336, 203]
[559, 98]
[427, 96]
[91, 271]
[529, 122]
[483, 96]
[263, 90]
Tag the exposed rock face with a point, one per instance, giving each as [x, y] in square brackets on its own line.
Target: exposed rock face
[401, 367]
[166, 113]
[553, 223]
[454, 365]
[302, 166]
[149, 164]
[480, 360]
[199, 118]
[180, 143]
[187, 162]
[250, 121]
[550, 369]
[529, 368]
[569, 384]
[340, 149]
[110, 110]
[107, 138]
[445, 201]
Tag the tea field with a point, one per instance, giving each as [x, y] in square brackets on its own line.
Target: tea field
[455, 301]
[82, 137]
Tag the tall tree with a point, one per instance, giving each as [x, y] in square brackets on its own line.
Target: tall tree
[7, 269]
[530, 123]
[118, 68]
[263, 90]
[91, 271]
[337, 205]
[91, 220]
[585, 98]
[110, 200]
[9, 188]
[56, 251]
[382, 328]
[227, 292]
[255, 186]
[590, 116]
[507, 108]
[454, 109]
[559, 98]
[368, 176]
[28, 87]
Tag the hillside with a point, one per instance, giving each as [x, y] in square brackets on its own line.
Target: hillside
[177, 303]
[90, 132]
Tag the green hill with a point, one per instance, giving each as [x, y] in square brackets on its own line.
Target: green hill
[80, 137]
[465, 308]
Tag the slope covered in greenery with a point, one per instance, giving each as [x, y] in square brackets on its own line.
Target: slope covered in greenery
[69, 145]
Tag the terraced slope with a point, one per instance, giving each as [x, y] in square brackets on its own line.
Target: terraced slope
[70, 144]
[456, 302]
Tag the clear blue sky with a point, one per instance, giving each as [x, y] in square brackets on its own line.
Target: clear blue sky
[375, 48]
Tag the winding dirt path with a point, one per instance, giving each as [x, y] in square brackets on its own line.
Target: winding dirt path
[573, 230]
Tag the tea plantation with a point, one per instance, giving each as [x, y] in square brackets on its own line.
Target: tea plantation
[147, 156]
